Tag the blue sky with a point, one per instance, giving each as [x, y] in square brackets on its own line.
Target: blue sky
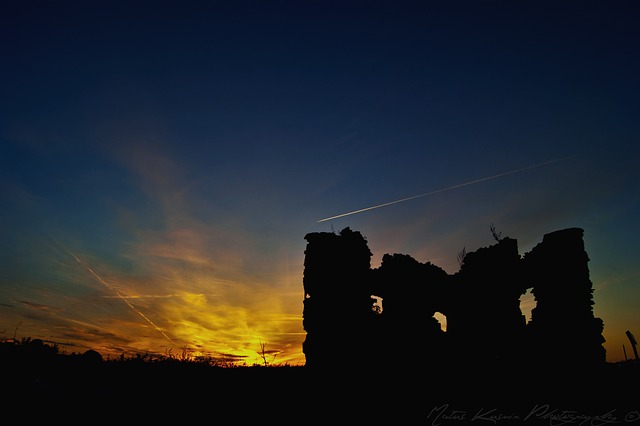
[161, 162]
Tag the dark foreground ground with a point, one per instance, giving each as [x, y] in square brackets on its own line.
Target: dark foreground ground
[179, 392]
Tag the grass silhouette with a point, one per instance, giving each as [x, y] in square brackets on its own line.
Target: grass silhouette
[39, 376]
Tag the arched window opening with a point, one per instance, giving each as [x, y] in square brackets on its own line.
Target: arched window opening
[442, 319]
[527, 303]
[377, 304]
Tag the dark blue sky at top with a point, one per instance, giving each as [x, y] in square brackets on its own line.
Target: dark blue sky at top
[121, 120]
[313, 82]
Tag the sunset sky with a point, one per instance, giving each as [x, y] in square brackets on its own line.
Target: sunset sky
[161, 162]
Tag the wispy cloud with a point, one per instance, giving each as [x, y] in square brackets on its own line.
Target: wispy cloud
[196, 281]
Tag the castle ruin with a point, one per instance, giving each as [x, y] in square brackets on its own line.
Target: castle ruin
[481, 302]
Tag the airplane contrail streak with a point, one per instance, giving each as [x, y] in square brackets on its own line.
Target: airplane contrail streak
[449, 188]
[121, 296]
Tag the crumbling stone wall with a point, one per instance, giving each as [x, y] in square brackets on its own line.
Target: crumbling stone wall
[338, 307]
[410, 293]
[562, 327]
[484, 320]
[481, 301]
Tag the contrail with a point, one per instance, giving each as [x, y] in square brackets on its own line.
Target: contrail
[122, 297]
[449, 188]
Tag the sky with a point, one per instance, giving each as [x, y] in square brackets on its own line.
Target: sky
[161, 162]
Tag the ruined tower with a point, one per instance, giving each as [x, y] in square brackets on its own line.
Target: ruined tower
[563, 328]
[338, 308]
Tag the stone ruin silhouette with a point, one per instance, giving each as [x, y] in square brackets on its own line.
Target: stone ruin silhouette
[481, 303]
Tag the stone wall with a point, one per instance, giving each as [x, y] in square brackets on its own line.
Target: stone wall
[481, 302]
